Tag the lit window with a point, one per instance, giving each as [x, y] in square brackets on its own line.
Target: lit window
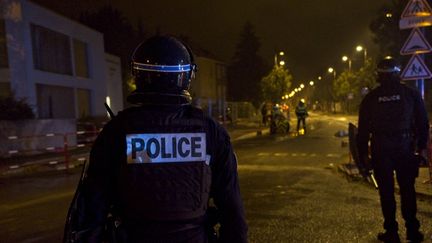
[81, 59]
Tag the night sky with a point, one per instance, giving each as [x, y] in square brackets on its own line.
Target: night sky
[313, 33]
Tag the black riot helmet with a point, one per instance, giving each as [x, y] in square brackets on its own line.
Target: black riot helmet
[163, 68]
[388, 71]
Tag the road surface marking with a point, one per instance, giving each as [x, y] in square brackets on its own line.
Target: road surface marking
[334, 155]
[263, 154]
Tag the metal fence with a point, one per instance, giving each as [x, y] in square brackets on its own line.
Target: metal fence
[58, 151]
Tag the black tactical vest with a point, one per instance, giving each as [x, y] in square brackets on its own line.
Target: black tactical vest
[165, 175]
[392, 111]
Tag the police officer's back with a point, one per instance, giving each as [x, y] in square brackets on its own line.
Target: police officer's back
[155, 165]
[394, 119]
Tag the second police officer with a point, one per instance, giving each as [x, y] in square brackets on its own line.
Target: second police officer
[301, 113]
[155, 165]
[393, 118]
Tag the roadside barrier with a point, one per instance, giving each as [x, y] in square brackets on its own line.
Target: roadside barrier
[62, 151]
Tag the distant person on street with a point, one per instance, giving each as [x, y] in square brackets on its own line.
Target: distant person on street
[393, 117]
[162, 169]
[264, 114]
[301, 113]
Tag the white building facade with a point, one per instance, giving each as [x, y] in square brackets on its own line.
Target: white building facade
[56, 64]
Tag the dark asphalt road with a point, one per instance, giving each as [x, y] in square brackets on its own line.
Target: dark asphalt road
[290, 186]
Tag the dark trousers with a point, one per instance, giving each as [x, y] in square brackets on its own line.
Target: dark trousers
[406, 167]
[303, 121]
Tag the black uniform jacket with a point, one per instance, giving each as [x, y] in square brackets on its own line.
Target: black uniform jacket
[391, 116]
[102, 192]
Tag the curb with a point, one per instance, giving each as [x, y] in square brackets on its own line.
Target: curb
[43, 166]
[259, 132]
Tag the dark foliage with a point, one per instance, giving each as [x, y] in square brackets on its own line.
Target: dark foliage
[385, 28]
[13, 109]
[246, 69]
[120, 36]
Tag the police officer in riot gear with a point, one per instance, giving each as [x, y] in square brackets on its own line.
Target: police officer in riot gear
[301, 113]
[155, 165]
[393, 118]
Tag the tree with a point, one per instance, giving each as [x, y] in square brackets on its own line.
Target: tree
[324, 92]
[366, 76]
[276, 84]
[343, 85]
[120, 37]
[348, 86]
[385, 28]
[13, 109]
[246, 69]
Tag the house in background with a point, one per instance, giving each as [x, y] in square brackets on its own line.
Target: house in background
[56, 64]
[208, 89]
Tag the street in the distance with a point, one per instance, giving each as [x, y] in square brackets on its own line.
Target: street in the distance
[291, 189]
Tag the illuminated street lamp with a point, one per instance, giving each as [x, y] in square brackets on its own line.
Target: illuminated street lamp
[302, 86]
[311, 83]
[280, 54]
[319, 77]
[296, 90]
[332, 70]
[347, 59]
[286, 96]
[360, 48]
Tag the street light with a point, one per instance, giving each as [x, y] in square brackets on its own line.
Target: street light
[302, 86]
[332, 70]
[282, 62]
[345, 59]
[311, 83]
[360, 48]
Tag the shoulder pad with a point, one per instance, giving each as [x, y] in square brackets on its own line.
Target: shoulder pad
[195, 112]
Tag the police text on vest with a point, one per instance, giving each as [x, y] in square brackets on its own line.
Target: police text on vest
[390, 98]
[165, 148]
